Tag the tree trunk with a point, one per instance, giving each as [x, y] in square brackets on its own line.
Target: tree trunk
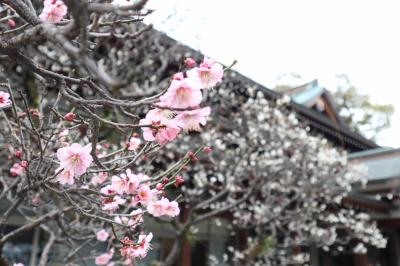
[175, 251]
[3, 261]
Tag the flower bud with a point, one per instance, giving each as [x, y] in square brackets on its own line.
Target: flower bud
[207, 149]
[34, 112]
[69, 116]
[189, 62]
[178, 180]
[11, 23]
[18, 153]
[192, 156]
[21, 114]
[24, 164]
[35, 200]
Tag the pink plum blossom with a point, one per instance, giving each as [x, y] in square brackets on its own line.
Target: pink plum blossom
[104, 258]
[108, 190]
[160, 114]
[75, 158]
[35, 200]
[24, 163]
[191, 120]
[119, 184]
[133, 250]
[182, 94]
[17, 170]
[146, 195]
[102, 235]
[53, 11]
[144, 245]
[111, 203]
[209, 73]
[163, 207]
[125, 183]
[63, 135]
[133, 143]
[135, 200]
[99, 178]
[4, 99]
[157, 208]
[127, 248]
[65, 177]
[172, 209]
[163, 130]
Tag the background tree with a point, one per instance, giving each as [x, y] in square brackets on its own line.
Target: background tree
[287, 81]
[360, 112]
[273, 179]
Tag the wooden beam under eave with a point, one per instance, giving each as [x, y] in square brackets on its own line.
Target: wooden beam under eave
[379, 187]
[367, 203]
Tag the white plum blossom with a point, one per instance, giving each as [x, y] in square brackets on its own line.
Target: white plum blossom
[295, 181]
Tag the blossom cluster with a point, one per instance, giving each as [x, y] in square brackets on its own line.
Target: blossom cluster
[124, 190]
[138, 188]
[129, 250]
[53, 11]
[4, 99]
[178, 108]
[101, 191]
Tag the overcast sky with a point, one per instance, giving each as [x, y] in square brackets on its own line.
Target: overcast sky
[313, 38]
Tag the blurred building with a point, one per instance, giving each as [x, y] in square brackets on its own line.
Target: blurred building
[381, 195]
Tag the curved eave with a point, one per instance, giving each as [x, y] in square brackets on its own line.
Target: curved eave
[346, 138]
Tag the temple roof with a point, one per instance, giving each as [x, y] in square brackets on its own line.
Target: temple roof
[305, 102]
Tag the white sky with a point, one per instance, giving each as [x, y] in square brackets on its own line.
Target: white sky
[313, 38]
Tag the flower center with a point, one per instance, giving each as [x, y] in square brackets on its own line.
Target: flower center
[142, 194]
[158, 126]
[182, 93]
[75, 159]
[108, 200]
[205, 75]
